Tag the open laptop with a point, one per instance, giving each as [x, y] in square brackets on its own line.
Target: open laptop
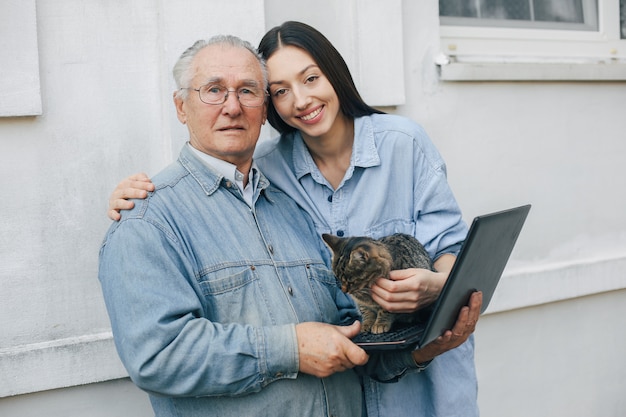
[478, 267]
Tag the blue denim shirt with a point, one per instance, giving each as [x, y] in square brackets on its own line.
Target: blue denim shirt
[396, 182]
[204, 292]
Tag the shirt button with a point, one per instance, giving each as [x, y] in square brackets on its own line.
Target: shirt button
[270, 248]
[340, 233]
[290, 290]
[330, 198]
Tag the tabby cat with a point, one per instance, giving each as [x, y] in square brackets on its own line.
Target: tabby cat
[358, 261]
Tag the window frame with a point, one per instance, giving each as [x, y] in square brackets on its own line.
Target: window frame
[497, 53]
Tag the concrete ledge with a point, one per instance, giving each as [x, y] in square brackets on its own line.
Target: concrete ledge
[58, 364]
[541, 284]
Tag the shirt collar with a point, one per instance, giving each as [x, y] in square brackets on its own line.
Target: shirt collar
[364, 152]
[230, 172]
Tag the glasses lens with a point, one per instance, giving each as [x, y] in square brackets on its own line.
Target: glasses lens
[216, 94]
[251, 97]
[212, 94]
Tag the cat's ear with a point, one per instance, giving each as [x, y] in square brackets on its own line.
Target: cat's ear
[359, 255]
[332, 241]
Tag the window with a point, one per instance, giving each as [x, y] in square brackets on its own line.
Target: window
[533, 39]
[544, 14]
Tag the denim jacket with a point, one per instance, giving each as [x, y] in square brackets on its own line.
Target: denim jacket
[203, 293]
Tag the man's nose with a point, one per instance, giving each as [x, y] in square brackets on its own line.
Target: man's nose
[232, 104]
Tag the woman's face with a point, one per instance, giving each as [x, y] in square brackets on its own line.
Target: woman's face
[301, 93]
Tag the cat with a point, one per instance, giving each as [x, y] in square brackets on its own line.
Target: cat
[358, 261]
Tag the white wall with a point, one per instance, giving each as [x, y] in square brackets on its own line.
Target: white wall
[557, 359]
[106, 93]
[117, 398]
[107, 112]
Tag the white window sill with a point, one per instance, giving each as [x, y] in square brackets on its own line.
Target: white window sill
[533, 71]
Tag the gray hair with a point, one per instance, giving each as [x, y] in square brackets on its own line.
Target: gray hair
[182, 69]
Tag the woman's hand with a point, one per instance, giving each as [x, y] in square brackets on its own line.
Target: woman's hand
[408, 290]
[460, 332]
[135, 186]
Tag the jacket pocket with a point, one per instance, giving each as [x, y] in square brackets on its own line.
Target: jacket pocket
[324, 287]
[232, 295]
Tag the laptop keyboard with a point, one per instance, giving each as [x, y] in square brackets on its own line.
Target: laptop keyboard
[391, 337]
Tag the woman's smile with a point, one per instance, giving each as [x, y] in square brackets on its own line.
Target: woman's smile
[312, 115]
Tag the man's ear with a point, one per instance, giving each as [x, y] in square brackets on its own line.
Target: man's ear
[180, 111]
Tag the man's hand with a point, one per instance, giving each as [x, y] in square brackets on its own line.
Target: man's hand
[463, 328]
[135, 186]
[324, 349]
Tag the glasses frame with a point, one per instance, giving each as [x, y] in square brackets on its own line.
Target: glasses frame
[228, 91]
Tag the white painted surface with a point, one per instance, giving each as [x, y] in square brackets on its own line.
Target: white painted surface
[560, 359]
[20, 93]
[105, 77]
[118, 398]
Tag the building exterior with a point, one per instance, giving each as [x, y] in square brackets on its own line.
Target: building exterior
[521, 114]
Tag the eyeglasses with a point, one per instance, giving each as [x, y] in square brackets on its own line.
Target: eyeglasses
[218, 94]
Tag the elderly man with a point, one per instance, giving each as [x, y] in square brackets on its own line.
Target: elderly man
[217, 285]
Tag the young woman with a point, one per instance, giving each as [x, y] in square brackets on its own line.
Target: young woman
[358, 171]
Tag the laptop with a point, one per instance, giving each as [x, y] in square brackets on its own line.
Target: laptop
[478, 267]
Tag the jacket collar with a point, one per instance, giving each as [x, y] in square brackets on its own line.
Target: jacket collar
[209, 178]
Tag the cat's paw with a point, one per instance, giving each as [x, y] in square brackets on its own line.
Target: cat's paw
[366, 326]
[380, 328]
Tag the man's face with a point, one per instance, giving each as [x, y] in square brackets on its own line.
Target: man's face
[226, 131]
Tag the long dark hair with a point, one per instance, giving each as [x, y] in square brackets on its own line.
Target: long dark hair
[327, 58]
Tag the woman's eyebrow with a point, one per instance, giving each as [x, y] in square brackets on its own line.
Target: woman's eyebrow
[305, 69]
